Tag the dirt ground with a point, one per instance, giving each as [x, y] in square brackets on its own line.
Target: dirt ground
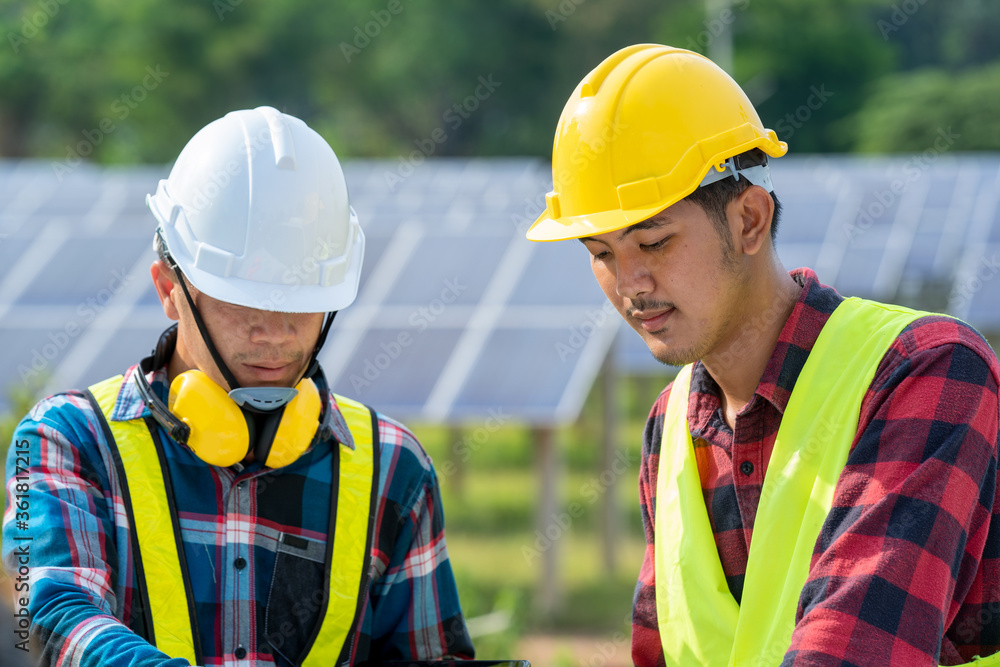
[576, 650]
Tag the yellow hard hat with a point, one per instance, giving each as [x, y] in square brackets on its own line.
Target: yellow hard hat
[639, 134]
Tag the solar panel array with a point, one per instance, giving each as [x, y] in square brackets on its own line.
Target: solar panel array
[459, 318]
[921, 230]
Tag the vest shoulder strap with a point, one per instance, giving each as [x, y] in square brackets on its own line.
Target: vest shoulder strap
[154, 530]
[353, 529]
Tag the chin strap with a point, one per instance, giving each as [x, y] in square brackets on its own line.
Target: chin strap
[313, 365]
[223, 368]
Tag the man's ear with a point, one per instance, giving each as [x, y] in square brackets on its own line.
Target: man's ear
[753, 209]
[166, 288]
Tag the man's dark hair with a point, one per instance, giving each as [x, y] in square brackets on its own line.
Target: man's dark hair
[162, 253]
[715, 198]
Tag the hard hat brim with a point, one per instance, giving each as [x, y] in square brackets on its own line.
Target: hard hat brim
[545, 228]
[289, 297]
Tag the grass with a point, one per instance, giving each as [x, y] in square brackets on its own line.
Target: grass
[20, 397]
[491, 508]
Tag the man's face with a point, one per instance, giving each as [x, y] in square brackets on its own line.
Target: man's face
[673, 279]
[262, 348]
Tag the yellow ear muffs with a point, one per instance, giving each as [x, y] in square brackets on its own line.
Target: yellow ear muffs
[298, 426]
[219, 434]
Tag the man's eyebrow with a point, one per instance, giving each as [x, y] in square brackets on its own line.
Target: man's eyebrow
[651, 223]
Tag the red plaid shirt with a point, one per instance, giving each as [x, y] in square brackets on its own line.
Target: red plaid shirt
[906, 570]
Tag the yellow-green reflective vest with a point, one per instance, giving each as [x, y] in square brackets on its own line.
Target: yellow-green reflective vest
[699, 620]
[157, 546]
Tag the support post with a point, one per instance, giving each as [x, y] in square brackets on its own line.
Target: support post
[608, 477]
[548, 468]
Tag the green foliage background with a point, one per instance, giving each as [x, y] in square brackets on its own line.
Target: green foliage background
[898, 71]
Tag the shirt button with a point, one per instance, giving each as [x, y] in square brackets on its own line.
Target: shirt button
[746, 468]
[240, 653]
[240, 563]
[241, 485]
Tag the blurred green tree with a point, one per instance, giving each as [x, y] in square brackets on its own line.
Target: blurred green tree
[123, 83]
[932, 109]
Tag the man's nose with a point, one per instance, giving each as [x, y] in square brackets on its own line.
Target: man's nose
[633, 278]
[271, 327]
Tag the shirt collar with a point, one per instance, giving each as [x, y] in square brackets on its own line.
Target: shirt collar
[129, 404]
[813, 308]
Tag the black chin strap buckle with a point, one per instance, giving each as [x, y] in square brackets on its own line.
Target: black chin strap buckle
[177, 429]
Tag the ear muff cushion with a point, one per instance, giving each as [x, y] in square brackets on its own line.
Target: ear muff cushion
[219, 433]
[298, 426]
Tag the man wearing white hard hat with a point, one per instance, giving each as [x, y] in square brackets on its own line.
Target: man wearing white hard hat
[217, 504]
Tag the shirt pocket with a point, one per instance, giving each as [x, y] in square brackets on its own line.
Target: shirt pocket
[296, 596]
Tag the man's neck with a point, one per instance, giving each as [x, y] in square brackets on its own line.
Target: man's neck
[739, 362]
[177, 363]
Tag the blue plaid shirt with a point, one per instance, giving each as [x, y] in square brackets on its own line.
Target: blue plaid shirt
[254, 540]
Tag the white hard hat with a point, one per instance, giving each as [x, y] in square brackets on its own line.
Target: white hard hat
[255, 212]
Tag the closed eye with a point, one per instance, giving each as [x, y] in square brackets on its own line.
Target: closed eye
[597, 251]
[659, 244]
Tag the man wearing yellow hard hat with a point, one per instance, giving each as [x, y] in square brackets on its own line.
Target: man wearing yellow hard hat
[217, 504]
[819, 482]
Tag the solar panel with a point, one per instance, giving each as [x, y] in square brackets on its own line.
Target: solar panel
[91, 271]
[985, 307]
[490, 321]
[128, 345]
[31, 353]
[387, 369]
[794, 255]
[73, 198]
[811, 213]
[531, 375]
[558, 273]
[921, 260]
[10, 249]
[454, 269]
[975, 294]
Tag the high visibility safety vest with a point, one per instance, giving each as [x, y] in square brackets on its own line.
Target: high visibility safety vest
[157, 546]
[700, 622]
